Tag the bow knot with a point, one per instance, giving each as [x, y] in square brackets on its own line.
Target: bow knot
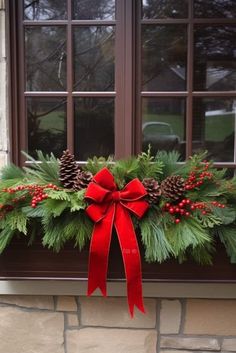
[115, 196]
[109, 207]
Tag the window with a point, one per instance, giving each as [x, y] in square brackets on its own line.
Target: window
[111, 77]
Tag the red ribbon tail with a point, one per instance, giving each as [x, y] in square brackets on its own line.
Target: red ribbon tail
[135, 297]
[131, 258]
[98, 254]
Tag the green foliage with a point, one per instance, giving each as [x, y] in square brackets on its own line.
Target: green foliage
[95, 164]
[6, 236]
[11, 171]
[157, 247]
[62, 214]
[44, 169]
[15, 220]
[67, 227]
[148, 166]
[169, 161]
[202, 254]
[227, 235]
[227, 214]
[124, 171]
[188, 233]
[208, 220]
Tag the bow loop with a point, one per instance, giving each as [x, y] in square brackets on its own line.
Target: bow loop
[105, 179]
[133, 191]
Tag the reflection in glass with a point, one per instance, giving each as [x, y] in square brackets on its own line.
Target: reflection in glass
[46, 119]
[94, 127]
[215, 58]
[214, 127]
[94, 58]
[163, 124]
[45, 10]
[45, 55]
[215, 8]
[164, 8]
[94, 10]
[164, 57]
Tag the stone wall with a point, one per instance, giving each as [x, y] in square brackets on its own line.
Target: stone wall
[3, 89]
[47, 324]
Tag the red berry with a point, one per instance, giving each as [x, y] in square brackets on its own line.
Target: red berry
[192, 207]
[167, 205]
[204, 213]
[188, 202]
[171, 210]
[181, 204]
[177, 221]
[177, 209]
[187, 214]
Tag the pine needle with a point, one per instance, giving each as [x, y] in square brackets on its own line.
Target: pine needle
[44, 169]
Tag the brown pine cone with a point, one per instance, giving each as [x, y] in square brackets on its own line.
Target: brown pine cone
[68, 170]
[153, 189]
[173, 187]
[82, 180]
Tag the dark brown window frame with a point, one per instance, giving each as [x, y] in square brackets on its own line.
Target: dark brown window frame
[128, 93]
[42, 263]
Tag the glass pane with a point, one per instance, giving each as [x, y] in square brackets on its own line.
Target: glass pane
[215, 58]
[214, 127]
[46, 125]
[45, 58]
[45, 10]
[94, 127]
[215, 8]
[163, 124]
[164, 8]
[164, 57]
[94, 58]
[94, 10]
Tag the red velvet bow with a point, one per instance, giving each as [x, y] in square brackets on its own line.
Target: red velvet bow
[111, 207]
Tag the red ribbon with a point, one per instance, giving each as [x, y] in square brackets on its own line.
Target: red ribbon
[111, 207]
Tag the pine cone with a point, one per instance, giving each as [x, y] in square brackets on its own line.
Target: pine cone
[173, 187]
[153, 189]
[68, 170]
[82, 180]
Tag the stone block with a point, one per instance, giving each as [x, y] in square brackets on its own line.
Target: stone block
[30, 332]
[3, 159]
[66, 303]
[209, 344]
[170, 316]
[29, 301]
[72, 319]
[99, 340]
[184, 351]
[229, 344]
[114, 312]
[210, 317]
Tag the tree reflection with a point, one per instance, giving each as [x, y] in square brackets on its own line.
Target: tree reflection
[45, 10]
[45, 58]
[46, 125]
[215, 8]
[164, 8]
[94, 10]
[94, 58]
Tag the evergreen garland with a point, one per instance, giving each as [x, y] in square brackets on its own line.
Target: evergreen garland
[183, 226]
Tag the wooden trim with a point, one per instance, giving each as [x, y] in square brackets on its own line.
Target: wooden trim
[36, 262]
